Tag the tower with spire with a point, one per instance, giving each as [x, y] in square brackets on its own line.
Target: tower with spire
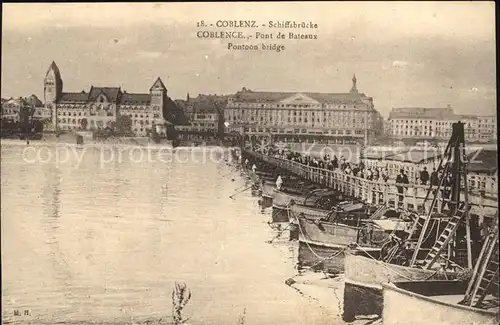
[354, 80]
[52, 84]
[52, 90]
[158, 93]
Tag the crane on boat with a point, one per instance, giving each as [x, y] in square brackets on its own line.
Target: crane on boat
[453, 163]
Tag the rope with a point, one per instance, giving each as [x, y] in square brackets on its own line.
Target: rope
[394, 271]
[329, 257]
[279, 234]
[312, 251]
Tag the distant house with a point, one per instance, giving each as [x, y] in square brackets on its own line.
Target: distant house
[423, 123]
[205, 114]
[41, 112]
[483, 170]
[11, 108]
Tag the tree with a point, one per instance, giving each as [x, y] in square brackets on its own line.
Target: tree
[84, 123]
[25, 119]
[111, 125]
[38, 126]
[124, 124]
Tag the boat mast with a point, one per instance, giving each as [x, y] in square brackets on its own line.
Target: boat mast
[454, 160]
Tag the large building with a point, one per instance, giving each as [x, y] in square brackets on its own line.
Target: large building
[418, 123]
[305, 117]
[101, 107]
[12, 108]
[205, 114]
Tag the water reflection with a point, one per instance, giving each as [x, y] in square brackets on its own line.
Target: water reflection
[107, 244]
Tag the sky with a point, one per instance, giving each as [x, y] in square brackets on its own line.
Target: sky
[429, 54]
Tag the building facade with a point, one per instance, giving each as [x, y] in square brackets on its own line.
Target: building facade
[101, 107]
[12, 108]
[205, 114]
[305, 117]
[436, 124]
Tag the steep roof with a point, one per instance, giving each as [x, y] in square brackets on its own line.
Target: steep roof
[21, 102]
[135, 99]
[378, 154]
[158, 84]
[111, 93]
[206, 104]
[53, 66]
[74, 97]
[416, 156]
[34, 101]
[423, 113]
[250, 96]
[483, 161]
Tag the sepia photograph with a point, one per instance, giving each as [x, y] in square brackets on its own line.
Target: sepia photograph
[249, 163]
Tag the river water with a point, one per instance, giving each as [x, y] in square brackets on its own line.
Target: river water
[102, 235]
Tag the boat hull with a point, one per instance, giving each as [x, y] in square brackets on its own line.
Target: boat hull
[279, 215]
[400, 304]
[267, 194]
[327, 234]
[307, 212]
[364, 277]
[325, 244]
[329, 259]
[281, 205]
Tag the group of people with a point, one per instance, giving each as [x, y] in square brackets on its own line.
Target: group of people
[360, 170]
[373, 173]
[348, 168]
[433, 178]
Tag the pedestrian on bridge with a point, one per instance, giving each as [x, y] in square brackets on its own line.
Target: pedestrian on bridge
[401, 179]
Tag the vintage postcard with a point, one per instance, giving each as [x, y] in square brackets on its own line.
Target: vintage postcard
[249, 163]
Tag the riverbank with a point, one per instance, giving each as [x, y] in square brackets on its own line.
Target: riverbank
[328, 293]
[70, 140]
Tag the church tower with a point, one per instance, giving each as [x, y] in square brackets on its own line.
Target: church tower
[158, 93]
[52, 91]
[52, 84]
[354, 80]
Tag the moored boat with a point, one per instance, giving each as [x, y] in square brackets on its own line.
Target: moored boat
[318, 211]
[287, 201]
[340, 230]
[364, 276]
[432, 302]
[267, 193]
[281, 205]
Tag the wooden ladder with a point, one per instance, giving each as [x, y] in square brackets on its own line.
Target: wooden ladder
[418, 225]
[444, 238]
[485, 274]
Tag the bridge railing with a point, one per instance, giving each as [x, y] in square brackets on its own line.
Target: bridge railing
[406, 196]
